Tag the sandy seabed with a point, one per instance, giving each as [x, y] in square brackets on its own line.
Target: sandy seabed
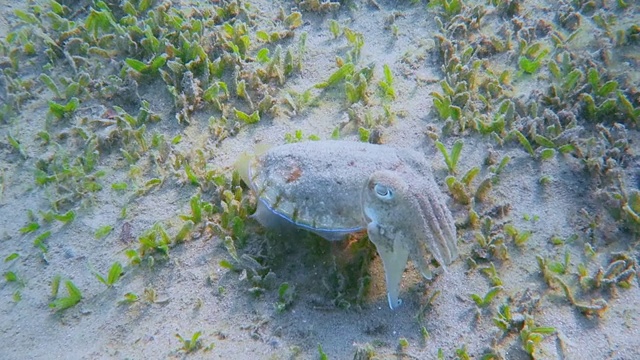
[553, 239]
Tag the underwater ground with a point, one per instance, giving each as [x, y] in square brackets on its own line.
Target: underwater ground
[124, 232]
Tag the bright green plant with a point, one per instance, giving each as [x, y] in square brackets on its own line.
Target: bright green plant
[386, 85]
[486, 300]
[192, 344]
[451, 158]
[114, 274]
[62, 303]
[532, 335]
[62, 111]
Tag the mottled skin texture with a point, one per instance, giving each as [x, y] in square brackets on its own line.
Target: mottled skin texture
[334, 188]
[406, 217]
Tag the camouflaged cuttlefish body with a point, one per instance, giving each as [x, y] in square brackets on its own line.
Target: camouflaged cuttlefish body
[334, 188]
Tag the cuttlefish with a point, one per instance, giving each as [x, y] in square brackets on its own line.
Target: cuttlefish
[334, 188]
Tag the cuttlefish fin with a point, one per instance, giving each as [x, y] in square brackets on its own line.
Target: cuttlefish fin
[394, 257]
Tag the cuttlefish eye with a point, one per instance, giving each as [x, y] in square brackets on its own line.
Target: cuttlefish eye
[383, 192]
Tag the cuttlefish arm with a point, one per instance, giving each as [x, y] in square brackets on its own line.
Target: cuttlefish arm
[394, 257]
[405, 220]
[434, 230]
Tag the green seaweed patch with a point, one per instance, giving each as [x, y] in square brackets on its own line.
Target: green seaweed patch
[451, 158]
[286, 295]
[16, 145]
[150, 68]
[448, 8]
[298, 136]
[192, 344]
[484, 301]
[341, 74]
[247, 118]
[114, 274]
[531, 335]
[386, 85]
[532, 57]
[62, 303]
[103, 231]
[61, 111]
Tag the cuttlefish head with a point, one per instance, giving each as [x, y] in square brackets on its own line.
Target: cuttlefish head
[406, 216]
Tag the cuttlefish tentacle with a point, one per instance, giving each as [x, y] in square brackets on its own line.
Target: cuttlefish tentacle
[403, 221]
